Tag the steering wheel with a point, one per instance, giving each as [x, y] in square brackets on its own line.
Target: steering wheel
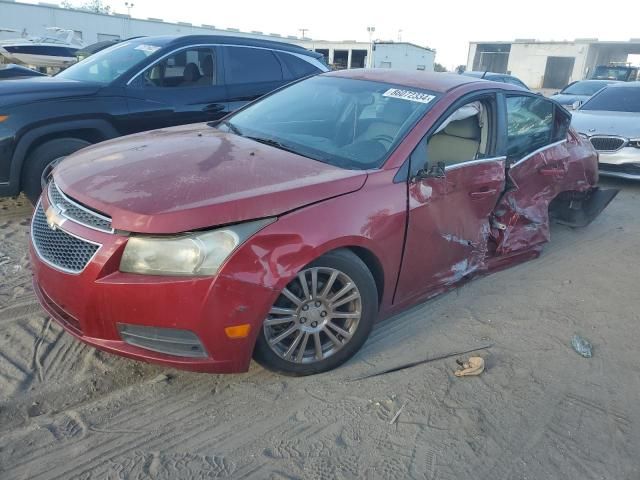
[385, 140]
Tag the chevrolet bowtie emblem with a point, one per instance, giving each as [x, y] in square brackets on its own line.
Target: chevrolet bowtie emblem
[54, 216]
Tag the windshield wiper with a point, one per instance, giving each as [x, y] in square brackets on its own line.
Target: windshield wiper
[232, 128]
[274, 143]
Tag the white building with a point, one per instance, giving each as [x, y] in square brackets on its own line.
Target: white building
[548, 65]
[33, 19]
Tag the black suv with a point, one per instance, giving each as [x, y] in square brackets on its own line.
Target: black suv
[139, 84]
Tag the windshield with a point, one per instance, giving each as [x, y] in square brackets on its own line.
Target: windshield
[615, 99]
[613, 73]
[348, 123]
[587, 88]
[107, 65]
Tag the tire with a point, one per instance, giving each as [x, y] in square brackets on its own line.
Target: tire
[308, 321]
[41, 158]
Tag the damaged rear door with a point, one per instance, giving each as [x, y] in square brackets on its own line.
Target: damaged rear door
[540, 166]
[456, 178]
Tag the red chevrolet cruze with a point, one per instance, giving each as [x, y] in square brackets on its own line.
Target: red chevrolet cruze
[284, 231]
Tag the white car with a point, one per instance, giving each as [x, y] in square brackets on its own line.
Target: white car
[611, 121]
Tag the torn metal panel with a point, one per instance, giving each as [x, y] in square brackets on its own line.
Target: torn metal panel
[521, 219]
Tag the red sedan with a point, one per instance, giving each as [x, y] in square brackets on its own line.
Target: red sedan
[284, 231]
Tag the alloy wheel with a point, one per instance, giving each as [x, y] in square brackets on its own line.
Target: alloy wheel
[315, 316]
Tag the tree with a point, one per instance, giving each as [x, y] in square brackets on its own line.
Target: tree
[461, 69]
[95, 6]
[439, 68]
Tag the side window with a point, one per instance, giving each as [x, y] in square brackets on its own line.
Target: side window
[297, 66]
[466, 134]
[252, 65]
[530, 124]
[187, 68]
[561, 123]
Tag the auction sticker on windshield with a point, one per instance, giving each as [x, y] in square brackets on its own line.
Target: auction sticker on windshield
[148, 49]
[410, 95]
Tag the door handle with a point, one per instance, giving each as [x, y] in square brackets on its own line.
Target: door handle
[213, 108]
[551, 171]
[482, 193]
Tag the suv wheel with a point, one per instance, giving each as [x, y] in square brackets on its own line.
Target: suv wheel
[41, 161]
[321, 318]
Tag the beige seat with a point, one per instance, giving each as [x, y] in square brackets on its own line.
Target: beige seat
[387, 125]
[458, 142]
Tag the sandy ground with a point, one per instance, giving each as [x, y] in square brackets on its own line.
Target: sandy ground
[540, 411]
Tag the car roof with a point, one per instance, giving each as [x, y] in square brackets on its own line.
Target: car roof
[433, 81]
[635, 84]
[598, 80]
[180, 40]
[474, 73]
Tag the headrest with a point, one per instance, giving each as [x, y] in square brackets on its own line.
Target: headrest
[191, 72]
[396, 111]
[467, 128]
[207, 66]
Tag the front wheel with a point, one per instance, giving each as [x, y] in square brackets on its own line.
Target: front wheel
[321, 318]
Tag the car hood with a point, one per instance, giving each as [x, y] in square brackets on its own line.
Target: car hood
[27, 90]
[564, 99]
[594, 122]
[192, 177]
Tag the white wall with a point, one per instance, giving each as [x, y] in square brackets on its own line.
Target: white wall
[471, 55]
[528, 61]
[403, 56]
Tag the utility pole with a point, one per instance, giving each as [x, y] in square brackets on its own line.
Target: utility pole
[129, 6]
[303, 31]
[371, 31]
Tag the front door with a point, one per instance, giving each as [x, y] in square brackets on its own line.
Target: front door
[185, 87]
[449, 209]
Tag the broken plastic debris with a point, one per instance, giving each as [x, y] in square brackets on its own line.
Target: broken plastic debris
[582, 346]
[474, 366]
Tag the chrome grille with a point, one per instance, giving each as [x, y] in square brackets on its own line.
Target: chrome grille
[58, 248]
[607, 144]
[76, 212]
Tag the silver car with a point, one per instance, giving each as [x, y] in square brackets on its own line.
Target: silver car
[611, 121]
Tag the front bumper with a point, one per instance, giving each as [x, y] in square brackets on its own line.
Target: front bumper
[624, 163]
[90, 305]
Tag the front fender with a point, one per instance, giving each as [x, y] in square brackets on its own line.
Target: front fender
[372, 218]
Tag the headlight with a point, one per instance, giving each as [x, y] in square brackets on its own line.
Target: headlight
[586, 137]
[634, 142]
[199, 253]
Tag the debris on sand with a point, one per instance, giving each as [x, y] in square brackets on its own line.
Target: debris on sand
[420, 362]
[582, 346]
[397, 415]
[473, 366]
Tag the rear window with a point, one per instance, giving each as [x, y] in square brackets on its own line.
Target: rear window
[251, 65]
[297, 66]
[615, 99]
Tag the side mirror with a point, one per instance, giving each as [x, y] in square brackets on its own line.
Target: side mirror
[575, 105]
